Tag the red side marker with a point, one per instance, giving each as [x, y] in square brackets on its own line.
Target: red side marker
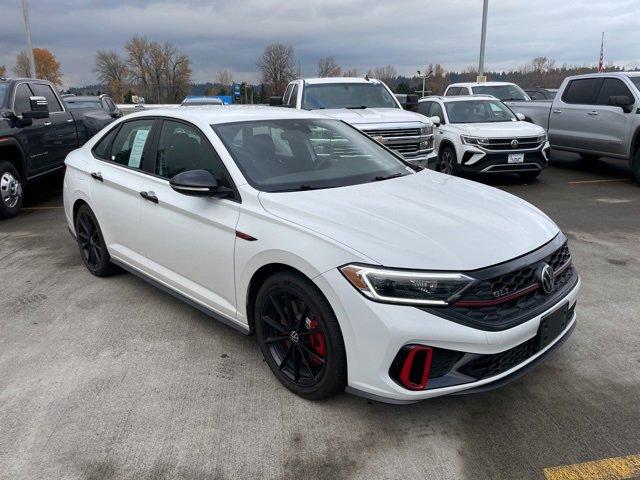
[245, 236]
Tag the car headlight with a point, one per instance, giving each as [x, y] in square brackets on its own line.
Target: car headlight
[426, 129]
[474, 140]
[542, 138]
[406, 287]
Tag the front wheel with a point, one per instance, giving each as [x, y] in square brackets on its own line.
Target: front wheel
[11, 190]
[447, 161]
[299, 336]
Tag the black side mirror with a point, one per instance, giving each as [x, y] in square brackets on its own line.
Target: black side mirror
[275, 101]
[623, 101]
[39, 108]
[199, 183]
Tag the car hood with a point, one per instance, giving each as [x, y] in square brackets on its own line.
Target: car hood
[498, 130]
[368, 116]
[423, 221]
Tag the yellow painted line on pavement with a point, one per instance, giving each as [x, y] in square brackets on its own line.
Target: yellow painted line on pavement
[599, 181]
[619, 468]
[42, 208]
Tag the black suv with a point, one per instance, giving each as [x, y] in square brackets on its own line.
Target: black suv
[37, 131]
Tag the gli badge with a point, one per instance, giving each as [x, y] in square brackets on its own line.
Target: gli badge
[547, 279]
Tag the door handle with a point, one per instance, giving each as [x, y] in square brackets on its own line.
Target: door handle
[150, 196]
[46, 124]
[557, 110]
[592, 112]
[97, 176]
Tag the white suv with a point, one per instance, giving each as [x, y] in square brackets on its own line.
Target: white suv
[480, 134]
[352, 269]
[505, 91]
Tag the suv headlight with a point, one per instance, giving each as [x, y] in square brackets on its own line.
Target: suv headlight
[474, 140]
[426, 129]
[406, 287]
[542, 138]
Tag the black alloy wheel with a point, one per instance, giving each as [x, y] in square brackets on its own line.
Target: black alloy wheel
[91, 243]
[299, 336]
[447, 162]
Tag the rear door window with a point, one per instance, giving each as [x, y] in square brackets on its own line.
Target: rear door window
[583, 91]
[452, 92]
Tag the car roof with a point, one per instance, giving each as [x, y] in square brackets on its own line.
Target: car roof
[216, 114]
[312, 81]
[462, 98]
[477, 84]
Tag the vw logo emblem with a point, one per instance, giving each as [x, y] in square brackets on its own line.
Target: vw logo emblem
[294, 337]
[547, 279]
[514, 143]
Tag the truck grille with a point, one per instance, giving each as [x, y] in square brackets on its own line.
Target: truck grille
[394, 132]
[405, 141]
[524, 143]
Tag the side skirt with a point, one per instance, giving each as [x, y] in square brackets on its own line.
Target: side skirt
[179, 296]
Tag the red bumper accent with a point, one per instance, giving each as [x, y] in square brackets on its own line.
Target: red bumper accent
[416, 366]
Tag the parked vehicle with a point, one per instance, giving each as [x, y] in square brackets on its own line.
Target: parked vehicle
[540, 93]
[504, 91]
[352, 268]
[370, 106]
[594, 115]
[103, 103]
[408, 101]
[480, 134]
[200, 101]
[37, 130]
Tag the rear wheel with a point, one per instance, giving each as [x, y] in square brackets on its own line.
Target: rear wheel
[91, 243]
[447, 161]
[300, 337]
[11, 190]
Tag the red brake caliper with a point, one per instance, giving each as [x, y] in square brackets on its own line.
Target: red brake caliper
[316, 341]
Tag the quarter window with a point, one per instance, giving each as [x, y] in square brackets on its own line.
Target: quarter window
[46, 91]
[583, 91]
[612, 87]
[129, 144]
[182, 148]
[103, 147]
[21, 103]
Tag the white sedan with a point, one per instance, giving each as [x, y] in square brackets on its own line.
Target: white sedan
[353, 269]
[480, 134]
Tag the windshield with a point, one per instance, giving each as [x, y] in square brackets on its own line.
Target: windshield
[502, 92]
[3, 90]
[634, 80]
[306, 154]
[347, 95]
[479, 111]
[83, 104]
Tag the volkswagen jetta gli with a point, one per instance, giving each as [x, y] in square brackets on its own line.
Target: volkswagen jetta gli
[353, 269]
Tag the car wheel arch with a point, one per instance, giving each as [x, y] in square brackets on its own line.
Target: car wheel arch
[12, 152]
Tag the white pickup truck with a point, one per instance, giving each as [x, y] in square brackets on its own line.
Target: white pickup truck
[371, 107]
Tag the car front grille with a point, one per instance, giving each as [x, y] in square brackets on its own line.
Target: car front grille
[393, 132]
[523, 143]
[405, 141]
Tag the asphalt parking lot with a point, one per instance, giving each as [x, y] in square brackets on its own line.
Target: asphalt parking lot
[112, 378]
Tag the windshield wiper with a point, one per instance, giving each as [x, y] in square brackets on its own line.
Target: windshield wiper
[387, 177]
[352, 107]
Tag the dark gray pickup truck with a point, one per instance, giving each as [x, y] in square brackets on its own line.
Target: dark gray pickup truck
[37, 131]
[594, 115]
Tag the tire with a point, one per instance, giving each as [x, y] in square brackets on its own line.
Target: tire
[11, 190]
[588, 157]
[447, 161]
[305, 351]
[635, 165]
[93, 250]
[529, 175]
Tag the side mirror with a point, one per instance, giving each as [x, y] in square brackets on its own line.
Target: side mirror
[622, 101]
[521, 117]
[199, 183]
[275, 101]
[39, 108]
[435, 120]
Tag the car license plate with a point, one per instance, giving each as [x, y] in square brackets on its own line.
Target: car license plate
[552, 325]
[515, 158]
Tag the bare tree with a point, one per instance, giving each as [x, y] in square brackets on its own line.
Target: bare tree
[47, 66]
[277, 66]
[224, 78]
[113, 72]
[387, 74]
[327, 67]
[137, 49]
[178, 77]
[3, 70]
[352, 72]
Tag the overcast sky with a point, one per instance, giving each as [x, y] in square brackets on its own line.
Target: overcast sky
[363, 34]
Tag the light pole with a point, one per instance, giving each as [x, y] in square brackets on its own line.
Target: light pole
[424, 79]
[481, 77]
[27, 28]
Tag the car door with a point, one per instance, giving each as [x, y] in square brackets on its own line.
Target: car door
[61, 136]
[32, 137]
[190, 240]
[117, 177]
[611, 125]
[570, 122]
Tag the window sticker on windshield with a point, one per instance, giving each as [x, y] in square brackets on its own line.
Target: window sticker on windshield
[137, 148]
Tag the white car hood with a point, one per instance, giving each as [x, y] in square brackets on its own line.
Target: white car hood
[367, 116]
[497, 130]
[423, 221]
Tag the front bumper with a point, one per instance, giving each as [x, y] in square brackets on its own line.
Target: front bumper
[375, 332]
[424, 160]
[479, 160]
